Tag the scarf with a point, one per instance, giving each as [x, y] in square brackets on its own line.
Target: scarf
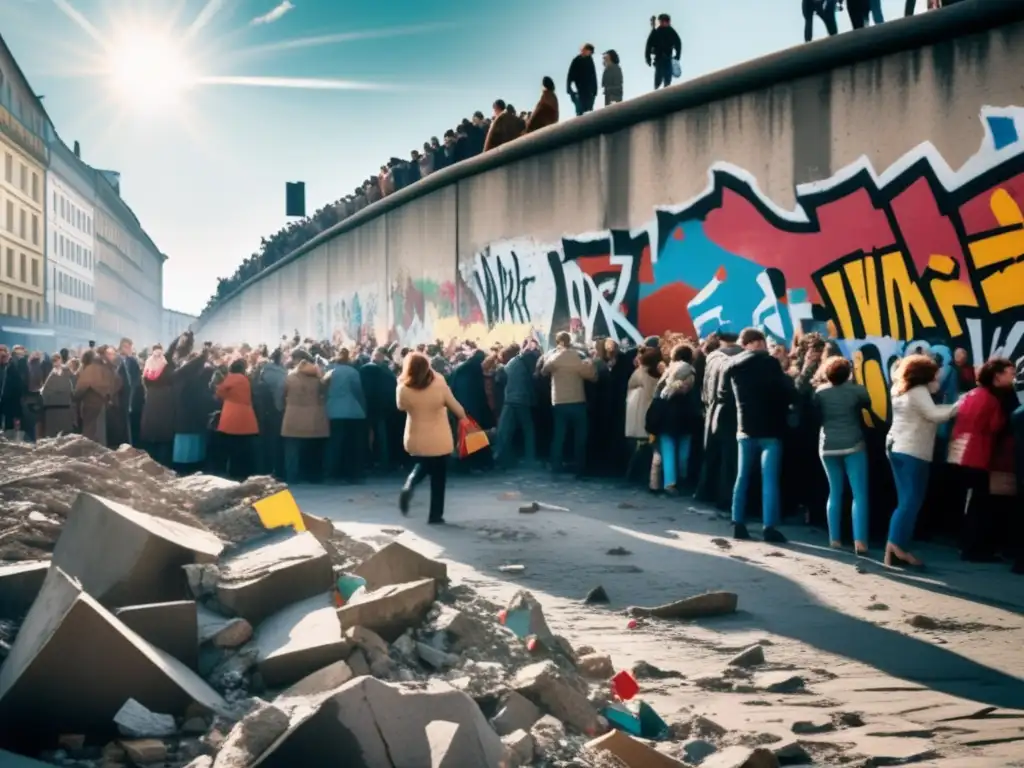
[154, 366]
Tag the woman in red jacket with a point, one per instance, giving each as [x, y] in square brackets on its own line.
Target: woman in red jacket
[980, 424]
[237, 424]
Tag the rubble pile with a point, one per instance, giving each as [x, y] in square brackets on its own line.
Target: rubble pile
[147, 639]
[40, 481]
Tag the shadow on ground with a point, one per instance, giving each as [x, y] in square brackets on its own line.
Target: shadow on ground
[565, 555]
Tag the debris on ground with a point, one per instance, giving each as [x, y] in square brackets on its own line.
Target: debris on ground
[699, 607]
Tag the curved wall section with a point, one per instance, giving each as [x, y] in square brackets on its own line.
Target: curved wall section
[879, 197]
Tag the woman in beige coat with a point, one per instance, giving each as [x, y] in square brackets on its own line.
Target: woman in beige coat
[304, 427]
[426, 400]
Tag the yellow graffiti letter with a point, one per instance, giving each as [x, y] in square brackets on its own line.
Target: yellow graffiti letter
[910, 302]
[949, 293]
[863, 279]
[1005, 288]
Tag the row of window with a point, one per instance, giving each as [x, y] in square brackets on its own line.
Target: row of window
[20, 226]
[71, 213]
[25, 264]
[27, 182]
[71, 285]
[25, 308]
[70, 318]
[66, 248]
[30, 118]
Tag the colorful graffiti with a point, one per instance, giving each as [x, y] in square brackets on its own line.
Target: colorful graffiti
[918, 257]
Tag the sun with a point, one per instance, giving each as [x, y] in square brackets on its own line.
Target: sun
[148, 70]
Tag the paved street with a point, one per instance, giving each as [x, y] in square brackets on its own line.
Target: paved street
[910, 655]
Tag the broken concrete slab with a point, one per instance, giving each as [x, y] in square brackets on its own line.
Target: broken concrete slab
[320, 527]
[742, 757]
[251, 736]
[397, 564]
[19, 585]
[370, 724]
[74, 664]
[545, 685]
[323, 680]
[268, 574]
[124, 557]
[137, 722]
[389, 611]
[597, 666]
[144, 751]
[302, 638]
[517, 713]
[461, 629]
[748, 657]
[519, 748]
[633, 753]
[171, 627]
[524, 616]
[358, 663]
[221, 631]
[697, 607]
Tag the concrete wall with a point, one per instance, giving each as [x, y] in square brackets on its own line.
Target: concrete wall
[879, 198]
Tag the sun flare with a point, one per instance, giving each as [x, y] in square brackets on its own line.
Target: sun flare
[149, 69]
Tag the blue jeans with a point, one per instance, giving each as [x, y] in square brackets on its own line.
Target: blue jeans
[565, 415]
[675, 457]
[911, 477]
[662, 72]
[513, 418]
[838, 468]
[767, 450]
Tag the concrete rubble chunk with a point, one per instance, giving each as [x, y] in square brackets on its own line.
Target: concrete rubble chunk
[370, 724]
[221, 631]
[136, 722]
[597, 666]
[748, 657]
[464, 631]
[251, 736]
[524, 616]
[517, 713]
[632, 753]
[320, 527]
[742, 757]
[203, 761]
[323, 680]
[302, 638]
[389, 611]
[202, 578]
[171, 627]
[124, 557]
[74, 664]
[144, 751]
[270, 573]
[397, 564]
[19, 585]
[548, 734]
[519, 748]
[358, 663]
[697, 607]
[545, 685]
[698, 750]
[434, 658]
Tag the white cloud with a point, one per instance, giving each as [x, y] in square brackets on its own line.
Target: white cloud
[275, 13]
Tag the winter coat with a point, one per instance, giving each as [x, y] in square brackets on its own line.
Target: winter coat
[11, 389]
[157, 425]
[980, 421]
[305, 413]
[379, 384]
[504, 128]
[611, 82]
[193, 401]
[58, 406]
[427, 429]
[762, 391]
[582, 76]
[545, 113]
[467, 385]
[839, 412]
[96, 384]
[639, 393]
[568, 371]
[345, 398]
[915, 420]
[517, 378]
[237, 416]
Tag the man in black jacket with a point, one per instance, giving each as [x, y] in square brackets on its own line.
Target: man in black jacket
[11, 390]
[763, 394]
[133, 394]
[663, 45]
[581, 83]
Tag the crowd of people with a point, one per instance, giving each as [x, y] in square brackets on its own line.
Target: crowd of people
[735, 420]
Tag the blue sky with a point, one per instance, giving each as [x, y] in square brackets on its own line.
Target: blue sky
[205, 173]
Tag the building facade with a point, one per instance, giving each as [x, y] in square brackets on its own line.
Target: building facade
[70, 247]
[25, 132]
[175, 324]
[129, 272]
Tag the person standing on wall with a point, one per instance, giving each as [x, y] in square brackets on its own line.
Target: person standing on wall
[826, 11]
[663, 48]
[581, 82]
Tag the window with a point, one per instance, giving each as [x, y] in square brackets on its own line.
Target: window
[10, 304]
[24, 268]
[35, 272]
[35, 229]
[35, 186]
[24, 178]
[9, 178]
[21, 306]
[55, 201]
[10, 217]
[37, 311]
[22, 222]
[63, 208]
[10, 263]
